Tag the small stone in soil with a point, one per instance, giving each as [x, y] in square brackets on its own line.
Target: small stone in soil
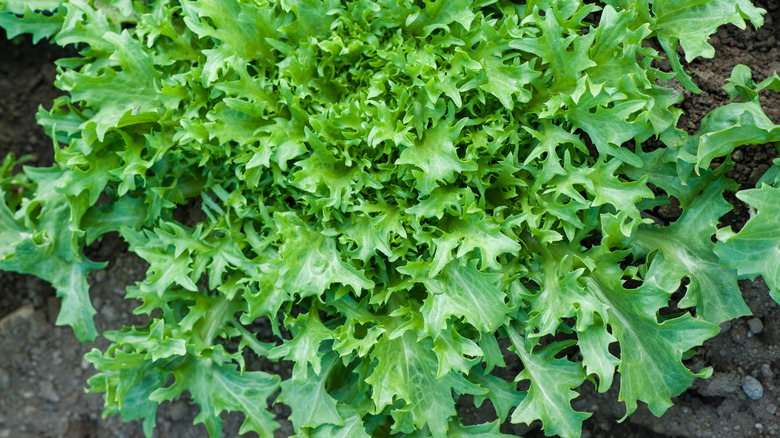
[47, 392]
[759, 171]
[178, 411]
[755, 325]
[109, 313]
[766, 371]
[719, 385]
[738, 333]
[726, 408]
[752, 388]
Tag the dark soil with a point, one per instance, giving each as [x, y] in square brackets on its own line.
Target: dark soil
[43, 375]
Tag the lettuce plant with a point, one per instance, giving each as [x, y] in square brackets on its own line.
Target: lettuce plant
[409, 192]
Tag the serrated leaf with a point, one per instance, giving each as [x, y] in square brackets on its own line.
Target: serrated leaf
[728, 127]
[450, 348]
[685, 250]
[609, 126]
[218, 387]
[509, 83]
[551, 388]
[473, 230]
[593, 343]
[435, 155]
[755, 249]
[651, 353]
[304, 347]
[19, 17]
[114, 94]
[352, 427]
[502, 394]
[484, 430]
[558, 298]
[50, 250]
[463, 292]
[127, 380]
[440, 16]
[406, 370]
[411, 180]
[313, 406]
[166, 267]
[622, 195]
[125, 212]
[315, 262]
[567, 55]
[692, 23]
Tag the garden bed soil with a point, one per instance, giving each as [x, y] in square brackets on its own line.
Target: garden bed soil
[43, 374]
